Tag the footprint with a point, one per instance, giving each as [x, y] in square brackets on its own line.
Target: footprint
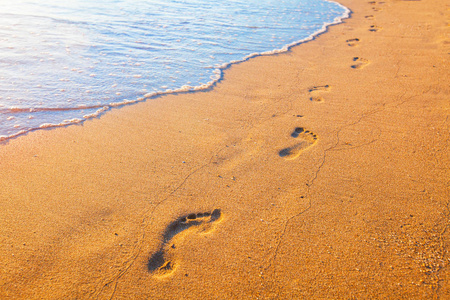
[316, 99]
[163, 262]
[352, 42]
[318, 89]
[359, 62]
[375, 28]
[307, 139]
[376, 3]
[370, 17]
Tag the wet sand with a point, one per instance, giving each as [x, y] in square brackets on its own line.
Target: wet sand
[320, 173]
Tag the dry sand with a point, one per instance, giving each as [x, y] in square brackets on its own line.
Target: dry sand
[321, 173]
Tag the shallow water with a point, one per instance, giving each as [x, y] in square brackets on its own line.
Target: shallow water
[64, 62]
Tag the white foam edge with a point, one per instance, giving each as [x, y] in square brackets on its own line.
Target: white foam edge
[63, 123]
[42, 126]
[97, 113]
[218, 71]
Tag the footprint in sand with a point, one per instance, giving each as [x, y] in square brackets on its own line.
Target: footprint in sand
[376, 8]
[359, 62]
[353, 42]
[319, 88]
[316, 90]
[164, 262]
[375, 28]
[370, 17]
[306, 139]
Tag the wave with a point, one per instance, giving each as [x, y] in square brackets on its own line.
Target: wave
[102, 108]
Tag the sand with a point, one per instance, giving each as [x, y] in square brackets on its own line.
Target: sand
[320, 173]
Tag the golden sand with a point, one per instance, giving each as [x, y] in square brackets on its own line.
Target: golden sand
[320, 173]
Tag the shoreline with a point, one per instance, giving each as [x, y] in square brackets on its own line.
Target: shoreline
[318, 173]
[218, 71]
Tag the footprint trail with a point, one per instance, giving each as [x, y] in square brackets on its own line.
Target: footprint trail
[164, 262]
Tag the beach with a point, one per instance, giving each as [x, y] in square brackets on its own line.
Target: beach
[319, 173]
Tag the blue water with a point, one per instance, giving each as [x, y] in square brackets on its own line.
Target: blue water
[62, 62]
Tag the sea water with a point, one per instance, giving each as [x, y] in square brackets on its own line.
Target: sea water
[62, 62]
